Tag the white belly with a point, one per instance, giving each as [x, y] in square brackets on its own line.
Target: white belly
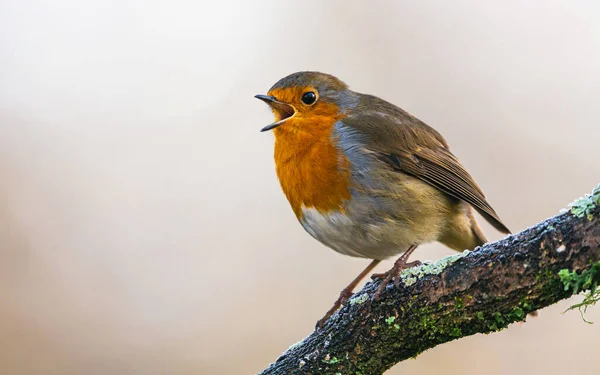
[378, 239]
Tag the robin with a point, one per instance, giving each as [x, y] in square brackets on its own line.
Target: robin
[367, 179]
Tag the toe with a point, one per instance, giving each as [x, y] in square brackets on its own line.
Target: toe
[319, 324]
[378, 293]
[414, 263]
[383, 285]
[345, 296]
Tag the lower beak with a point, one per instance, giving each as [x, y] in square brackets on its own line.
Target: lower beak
[283, 110]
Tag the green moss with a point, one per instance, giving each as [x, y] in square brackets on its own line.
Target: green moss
[588, 280]
[546, 274]
[434, 326]
[458, 302]
[586, 206]
[419, 325]
[497, 323]
[331, 361]
[517, 313]
[456, 332]
[410, 275]
[358, 300]
[500, 320]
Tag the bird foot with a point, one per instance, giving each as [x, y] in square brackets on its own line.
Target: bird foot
[347, 293]
[393, 274]
[342, 300]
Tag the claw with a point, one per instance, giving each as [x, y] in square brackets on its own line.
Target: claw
[394, 273]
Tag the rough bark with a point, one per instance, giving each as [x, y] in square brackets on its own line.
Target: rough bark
[474, 292]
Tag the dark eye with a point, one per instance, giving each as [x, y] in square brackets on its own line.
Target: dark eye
[309, 98]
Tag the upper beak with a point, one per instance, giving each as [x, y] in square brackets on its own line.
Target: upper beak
[284, 110]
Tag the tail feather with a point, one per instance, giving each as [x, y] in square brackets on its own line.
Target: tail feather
[476, 230]
[465, 233]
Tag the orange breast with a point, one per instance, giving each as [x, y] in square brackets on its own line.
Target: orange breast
[311, 170]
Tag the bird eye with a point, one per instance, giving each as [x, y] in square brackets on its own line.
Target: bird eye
[309, 98]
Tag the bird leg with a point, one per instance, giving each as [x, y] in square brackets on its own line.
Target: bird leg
[394, 273]
[346, 293]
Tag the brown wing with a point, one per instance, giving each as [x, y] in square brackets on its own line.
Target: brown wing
[441, 169]
[412, 147]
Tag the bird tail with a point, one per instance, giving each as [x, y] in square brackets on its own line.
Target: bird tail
[465, 234]
[477, 232]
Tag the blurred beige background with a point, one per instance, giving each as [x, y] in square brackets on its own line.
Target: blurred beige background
[142, 228]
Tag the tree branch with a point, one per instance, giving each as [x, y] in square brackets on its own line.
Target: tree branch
[474, 292]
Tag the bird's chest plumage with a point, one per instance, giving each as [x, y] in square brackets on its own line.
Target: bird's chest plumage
[312, 172]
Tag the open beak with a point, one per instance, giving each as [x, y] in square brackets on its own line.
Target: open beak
[283, 111]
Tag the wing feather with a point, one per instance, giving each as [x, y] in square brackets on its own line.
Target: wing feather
[410, 146]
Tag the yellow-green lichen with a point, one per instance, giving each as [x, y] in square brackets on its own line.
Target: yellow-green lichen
[588, 280]
[390, 320]
[586, 206]
[358, 300]
[409, 276]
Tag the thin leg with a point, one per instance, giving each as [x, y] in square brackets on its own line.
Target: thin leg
[346, 293]
[394, 274]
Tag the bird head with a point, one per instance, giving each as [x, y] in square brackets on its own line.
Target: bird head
[307, 99]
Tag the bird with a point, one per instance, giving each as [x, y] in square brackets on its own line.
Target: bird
[367, 179]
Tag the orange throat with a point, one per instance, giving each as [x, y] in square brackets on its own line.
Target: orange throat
[313, 173]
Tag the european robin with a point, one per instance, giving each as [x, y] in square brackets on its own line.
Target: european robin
[367, 179]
